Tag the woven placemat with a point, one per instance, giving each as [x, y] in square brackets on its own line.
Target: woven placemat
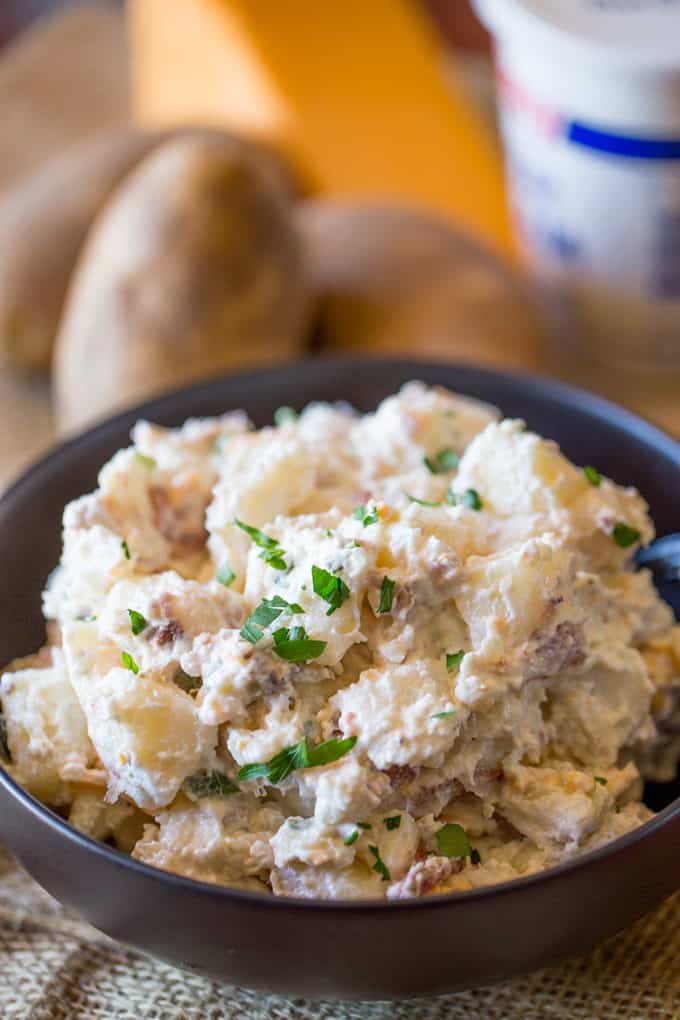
[54, 967]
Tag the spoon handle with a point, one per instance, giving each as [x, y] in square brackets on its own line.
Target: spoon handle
[662, 557]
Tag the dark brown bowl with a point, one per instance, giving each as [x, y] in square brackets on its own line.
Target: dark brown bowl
[363, 950]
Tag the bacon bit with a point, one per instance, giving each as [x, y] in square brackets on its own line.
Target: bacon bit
[489, 775]
[176, 518]
[400, 775]
[423, 876]
[421, 851]
[561, 650]
[165, 633]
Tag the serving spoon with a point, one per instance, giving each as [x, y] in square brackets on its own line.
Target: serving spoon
[662, 557]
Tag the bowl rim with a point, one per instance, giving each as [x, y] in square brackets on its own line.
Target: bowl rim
[542, 386]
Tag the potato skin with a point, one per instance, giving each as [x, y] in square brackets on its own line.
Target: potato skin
[193, 267]
[392, 279]
[44, 222]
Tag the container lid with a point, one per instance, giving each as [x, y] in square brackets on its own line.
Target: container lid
[628, 33]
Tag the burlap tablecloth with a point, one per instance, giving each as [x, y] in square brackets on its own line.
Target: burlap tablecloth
[54, 967]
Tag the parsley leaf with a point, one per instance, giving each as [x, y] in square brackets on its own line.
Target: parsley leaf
[129, 662]
[421, 502]
[126, 549]
[602, 780]
[624, 535]
[364, 825]
[380, 867]
[330, 750]
[472, 499]
[450, 496]
[210, 784]
[592, 474]
[360, 513]
[330, 588]
[225, 575]
[137, 621]
[475, 856]
[5, 752]
[295, 646]
[392, 823]
[386, 595]
[454, 659]
[444, 715]
[267, 611]
[284, 415]
[352, 838]
[185, 682]
[452, 841]
[148, 462]
[446, 460]
[299, 756]
[272, 553]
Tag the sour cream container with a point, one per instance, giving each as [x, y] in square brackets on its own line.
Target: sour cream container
[589, 99]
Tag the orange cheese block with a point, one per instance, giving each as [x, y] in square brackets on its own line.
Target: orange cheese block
[358, 95]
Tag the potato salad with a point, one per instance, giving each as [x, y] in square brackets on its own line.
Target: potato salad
[346, 656]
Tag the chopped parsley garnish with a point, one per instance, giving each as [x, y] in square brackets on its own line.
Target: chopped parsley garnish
[330, 588]
[299, 756]
[602, 780]
[444, 715]
[352, 838]
[185, 682]
[329, 533]
[380, 867]
[272, 553]
[137, 621]
[225, 575]
[592, 474]
[472, 499]
[386, 595]
[421, 502]
[450, 496]
[267, 611]
[392, 823]
[330, 750]
[624, 535]
[126, 549]
[364, 825]
[475, 856]
[452, 841]
[295, 645]
[148, 462]
[129, 662]
[454, 659]
[210, 784]
[284, 415]
[360, 513]
[5, 752]
[446, 460]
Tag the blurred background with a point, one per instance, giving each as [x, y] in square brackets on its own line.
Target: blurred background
[198, 186]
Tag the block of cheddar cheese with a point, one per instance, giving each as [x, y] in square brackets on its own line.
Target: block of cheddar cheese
[359, 97]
